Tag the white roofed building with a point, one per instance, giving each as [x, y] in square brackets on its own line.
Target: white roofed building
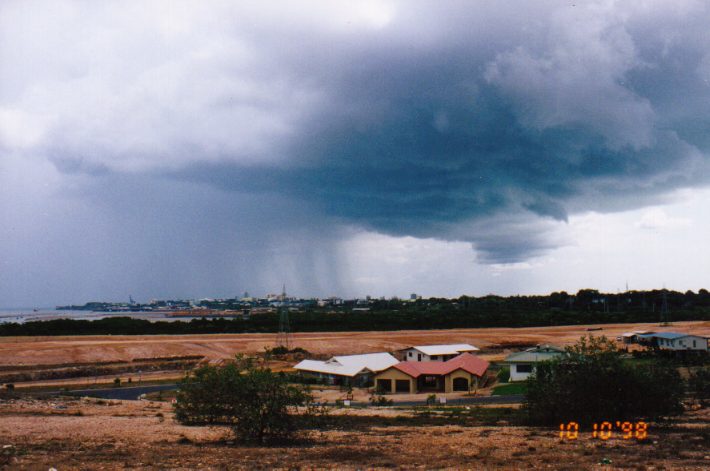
[437, 352]
[348, 369]
[674, 341]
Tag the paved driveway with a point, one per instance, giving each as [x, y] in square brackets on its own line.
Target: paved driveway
[134, 392]
[124, 393]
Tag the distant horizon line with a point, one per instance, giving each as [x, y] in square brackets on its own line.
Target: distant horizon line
[51, 308]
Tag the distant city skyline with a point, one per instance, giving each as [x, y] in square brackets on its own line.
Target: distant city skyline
[382, 147]
[332, 297]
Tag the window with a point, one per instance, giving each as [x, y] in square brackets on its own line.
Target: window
[410, 354]
[434, 357]
[693, 343]
[430, 381]
[419, 357]
[526, 368]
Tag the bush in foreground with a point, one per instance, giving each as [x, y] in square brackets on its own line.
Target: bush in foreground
[258, 404]
[592, 383]
[503, 374]
[699, 386]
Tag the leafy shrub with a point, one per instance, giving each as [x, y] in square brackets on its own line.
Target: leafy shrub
[687, 358]
[283, 350]
[504, 374]
[117, 382]
[301, 378]
[380, 400]
[699, 386]
[258, 404]
[278, 350]
[592, 383]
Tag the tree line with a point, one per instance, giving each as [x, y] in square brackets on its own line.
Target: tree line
[560, 308]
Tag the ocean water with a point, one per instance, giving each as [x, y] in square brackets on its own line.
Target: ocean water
[31, 314]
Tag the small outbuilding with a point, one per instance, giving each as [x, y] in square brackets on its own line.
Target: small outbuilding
[522, 364]
[632, 337]
[462, 373]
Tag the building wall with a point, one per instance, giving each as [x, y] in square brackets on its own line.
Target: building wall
[519, 376]
[415, 355]
[394, 374]
[683, 343]
[449, 380]
[324, 377]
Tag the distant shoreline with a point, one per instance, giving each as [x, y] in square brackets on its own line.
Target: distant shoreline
[22, 316]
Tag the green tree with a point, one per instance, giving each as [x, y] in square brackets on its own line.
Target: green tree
[504, 374]
[699, 386]
[258, 404]
[592, 383]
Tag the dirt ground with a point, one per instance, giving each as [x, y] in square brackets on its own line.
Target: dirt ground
[363, 395]
[54, 350]
[105, 381]
[92, 434]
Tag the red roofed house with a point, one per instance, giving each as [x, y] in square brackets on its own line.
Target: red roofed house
[461, 373]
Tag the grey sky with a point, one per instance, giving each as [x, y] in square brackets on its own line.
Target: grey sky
[205, 148]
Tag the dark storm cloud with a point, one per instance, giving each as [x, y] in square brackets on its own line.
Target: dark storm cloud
[480, 122]
[416, 141]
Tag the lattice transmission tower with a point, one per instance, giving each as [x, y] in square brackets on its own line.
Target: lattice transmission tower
[665, 313]
[283, 339]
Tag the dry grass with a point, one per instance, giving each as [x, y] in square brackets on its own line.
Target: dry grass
[140, 435]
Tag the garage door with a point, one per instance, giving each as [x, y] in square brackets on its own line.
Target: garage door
[460, 384]
[402, 385]
[384, 385]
